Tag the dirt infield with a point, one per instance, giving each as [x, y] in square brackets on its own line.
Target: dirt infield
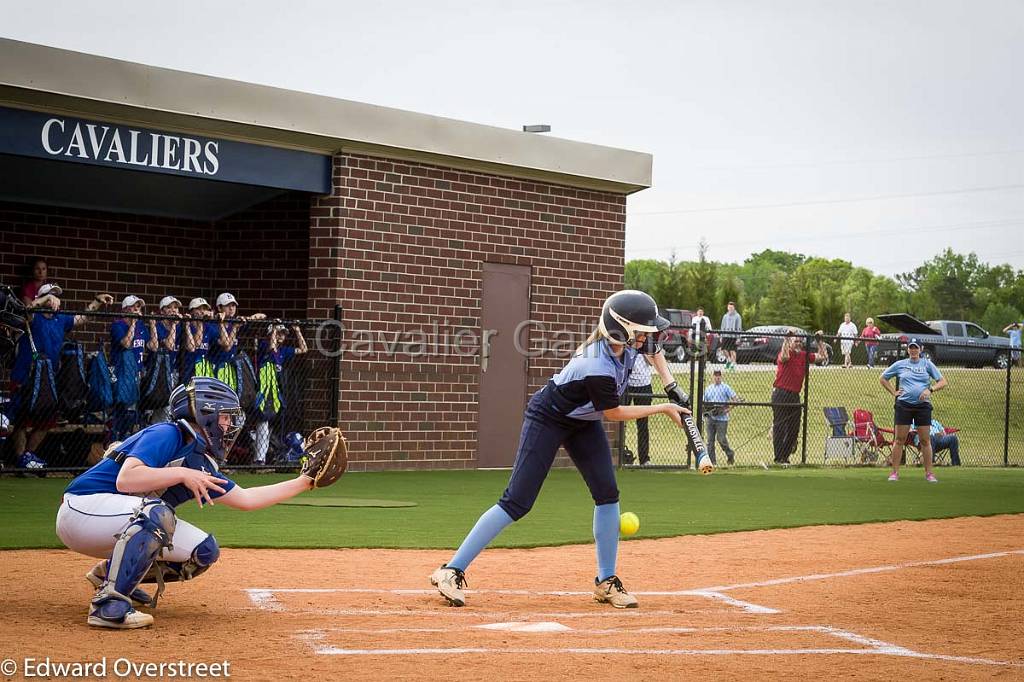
[905, 600]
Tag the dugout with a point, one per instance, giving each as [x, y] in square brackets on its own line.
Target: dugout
[437, 238]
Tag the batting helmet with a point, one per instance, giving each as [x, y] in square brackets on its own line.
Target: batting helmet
[627, 313]
[202, 401]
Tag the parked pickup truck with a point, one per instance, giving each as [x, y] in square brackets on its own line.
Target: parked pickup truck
[944, 342]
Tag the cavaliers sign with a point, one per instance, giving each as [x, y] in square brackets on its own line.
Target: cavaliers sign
[112, 144]
[69, 139]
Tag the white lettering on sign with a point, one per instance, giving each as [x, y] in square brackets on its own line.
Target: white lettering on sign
[106, 143]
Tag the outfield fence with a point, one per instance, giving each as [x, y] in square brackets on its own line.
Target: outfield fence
[844, 417]
[68, 410]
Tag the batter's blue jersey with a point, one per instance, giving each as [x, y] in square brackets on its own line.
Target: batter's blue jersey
[160, 445]
[593, 381]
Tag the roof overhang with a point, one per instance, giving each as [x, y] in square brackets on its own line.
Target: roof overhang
[49, 79]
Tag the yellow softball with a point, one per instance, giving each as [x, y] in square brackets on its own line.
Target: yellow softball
[629, 523]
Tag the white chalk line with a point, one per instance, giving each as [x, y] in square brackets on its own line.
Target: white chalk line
[266, 599]
[856, 571]
[316, 639]
[598, 612]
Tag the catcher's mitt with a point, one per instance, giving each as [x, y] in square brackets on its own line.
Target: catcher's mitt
[324, 456]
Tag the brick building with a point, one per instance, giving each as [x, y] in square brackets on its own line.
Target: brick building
[425, 231]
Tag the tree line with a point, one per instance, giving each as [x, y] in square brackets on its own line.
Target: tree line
[778, 287]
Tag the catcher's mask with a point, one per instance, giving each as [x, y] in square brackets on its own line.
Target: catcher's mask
[628, 313]
[204, 401]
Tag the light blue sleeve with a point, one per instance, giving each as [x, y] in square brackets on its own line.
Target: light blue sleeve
[892, 370]
[732, 393]
[933, 371]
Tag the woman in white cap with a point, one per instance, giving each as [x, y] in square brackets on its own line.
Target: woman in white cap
[271, 355]
[223, 354]
[199, 333]
[168, 334]
[129, 335]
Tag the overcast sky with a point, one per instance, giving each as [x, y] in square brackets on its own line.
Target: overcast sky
[876, 131]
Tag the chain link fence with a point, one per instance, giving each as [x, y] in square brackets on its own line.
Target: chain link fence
[842, 415]
[70, 386]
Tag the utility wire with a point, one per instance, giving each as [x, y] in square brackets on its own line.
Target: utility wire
[819, 202]
[844, 235]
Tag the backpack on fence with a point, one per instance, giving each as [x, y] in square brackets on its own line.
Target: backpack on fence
[247, 388]
[39, 394]
[101, 389]
[269, 400]
[73, 390]
[157, 382]
[126, 369]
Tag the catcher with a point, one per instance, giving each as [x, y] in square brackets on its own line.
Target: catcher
[122, 509]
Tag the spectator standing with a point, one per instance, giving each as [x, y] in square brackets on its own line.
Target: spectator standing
[640, 393]
[700, 325]
[130, 338]
[36, 271]
[717, 416]
[731, 322]
[226, 347]
[847, 332]
[271, 354]
[1014, 331]
[869, 333]
[46, 330]
[168, 334]
[199, 333]
[913, 405]
[791, 369]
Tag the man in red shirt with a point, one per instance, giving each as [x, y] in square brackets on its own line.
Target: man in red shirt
[870, 331]
[792, 364]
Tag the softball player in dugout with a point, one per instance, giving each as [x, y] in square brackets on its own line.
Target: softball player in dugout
[568, 412]
[122, 509]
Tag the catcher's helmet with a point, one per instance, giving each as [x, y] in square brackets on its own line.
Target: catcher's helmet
[202, 401]
[627, 313]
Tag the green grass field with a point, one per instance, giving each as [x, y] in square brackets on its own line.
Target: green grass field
[973, 402]
[669, 503]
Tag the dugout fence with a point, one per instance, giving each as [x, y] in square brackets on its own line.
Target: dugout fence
[286, 387]
[845, 417]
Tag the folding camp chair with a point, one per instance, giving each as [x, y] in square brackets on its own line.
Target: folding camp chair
[875, 443]
[840, 443]
[937, 457]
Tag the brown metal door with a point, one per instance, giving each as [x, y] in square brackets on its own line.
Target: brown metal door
[504, 305]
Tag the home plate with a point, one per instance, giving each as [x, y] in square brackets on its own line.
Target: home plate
[526, 627]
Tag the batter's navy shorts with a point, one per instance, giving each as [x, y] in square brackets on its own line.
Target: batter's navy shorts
[920, 414]
[544, 431]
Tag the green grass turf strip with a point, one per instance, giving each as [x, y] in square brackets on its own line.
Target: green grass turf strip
[449, 502]
[320, 501]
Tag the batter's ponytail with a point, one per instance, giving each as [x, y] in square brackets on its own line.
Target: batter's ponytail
[595, 336]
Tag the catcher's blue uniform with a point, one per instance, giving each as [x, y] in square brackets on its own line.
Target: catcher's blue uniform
[160, 445]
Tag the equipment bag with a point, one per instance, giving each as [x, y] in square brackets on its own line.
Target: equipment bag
[247, 387]
[101, 389]
[157, 382]
[126, 369]
[73, 389]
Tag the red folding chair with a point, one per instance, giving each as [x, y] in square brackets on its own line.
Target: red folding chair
[875, 441]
